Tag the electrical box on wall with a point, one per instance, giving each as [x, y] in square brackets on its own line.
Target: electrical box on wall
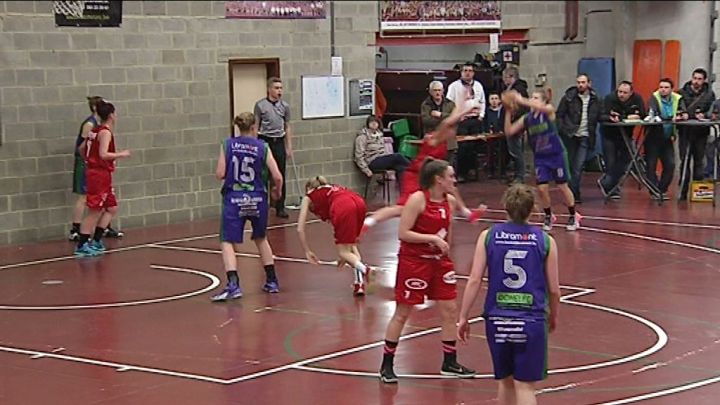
[362, 96]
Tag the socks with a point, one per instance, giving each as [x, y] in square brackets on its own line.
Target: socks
[571, 210]
[449, 352]
[75, 227]
[360, 270]
[82, 239]
[548, 211]
[270, 272]
[98, 233]
[232, 277]
[389, 352]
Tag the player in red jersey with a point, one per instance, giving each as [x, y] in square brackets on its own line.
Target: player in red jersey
[424, 267]
[345, 210]
[100, 155]
[434, 146]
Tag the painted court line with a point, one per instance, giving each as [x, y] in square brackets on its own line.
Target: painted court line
[301, 364]
[133, 247]
[669, 391]
[214, 282]
[241, 254]
[630, 220]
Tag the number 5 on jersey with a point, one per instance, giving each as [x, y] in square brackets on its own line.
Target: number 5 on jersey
[511, 268]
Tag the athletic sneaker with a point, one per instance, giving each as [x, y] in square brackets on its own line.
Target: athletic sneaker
[358, 289]
[615, 196]
[574, 222]
[232, 291]
[457, 369]
[97, 246]
[73, 235]
[113, 233]
[85, 251]
[271, 287]
[548, 222]
[387, 375]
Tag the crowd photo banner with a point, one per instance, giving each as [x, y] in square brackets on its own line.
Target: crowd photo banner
[439, 15]
[275, 9]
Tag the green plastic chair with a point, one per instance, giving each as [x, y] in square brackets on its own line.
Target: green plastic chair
[407, 149]
[401, 132]
[400, 128]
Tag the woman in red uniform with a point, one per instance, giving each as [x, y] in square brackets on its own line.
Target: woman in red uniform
[434, 146]
[424, 267]
[345, 210]
[100, 155]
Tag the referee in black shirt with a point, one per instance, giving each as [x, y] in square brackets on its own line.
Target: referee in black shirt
[272, 115]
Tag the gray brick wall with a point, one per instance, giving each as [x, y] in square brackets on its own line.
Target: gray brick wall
[166, 70]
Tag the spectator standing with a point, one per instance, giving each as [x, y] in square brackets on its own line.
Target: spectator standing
[459, 91]
[433, 110]
[512, 81]
[578, 115]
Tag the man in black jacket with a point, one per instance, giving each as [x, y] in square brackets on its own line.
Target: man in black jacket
[699, 98]
[577, 116]
[624, 104]
[511, 79]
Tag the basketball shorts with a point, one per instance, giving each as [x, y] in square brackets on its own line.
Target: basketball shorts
[99, 190]
[347, 214]
[238, 207]
[79, 176]
[418, 278]
[552, 168]
[518, 347]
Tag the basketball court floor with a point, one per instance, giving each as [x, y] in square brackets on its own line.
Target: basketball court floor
[639, 320]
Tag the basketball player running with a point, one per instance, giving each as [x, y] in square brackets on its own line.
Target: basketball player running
[243, 164]
[522, 300]
[434, 145]
[100, 155]
[424, 267]
[550, 156]
[345, 210]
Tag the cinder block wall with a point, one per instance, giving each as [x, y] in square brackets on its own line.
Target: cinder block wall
[166, 70]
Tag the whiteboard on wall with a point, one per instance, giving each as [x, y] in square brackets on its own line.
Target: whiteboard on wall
[323, 96]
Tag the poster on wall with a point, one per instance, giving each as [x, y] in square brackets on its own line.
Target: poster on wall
[87, 13]
[439, 15]
[275, 9]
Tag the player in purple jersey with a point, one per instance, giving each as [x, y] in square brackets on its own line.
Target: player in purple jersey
[523, 297]
[550, 156]
[243, 164]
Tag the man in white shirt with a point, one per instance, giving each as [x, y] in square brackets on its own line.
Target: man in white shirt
[459, 91]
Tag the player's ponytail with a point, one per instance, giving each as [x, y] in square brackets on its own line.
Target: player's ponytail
[315, 182]
[244, 121]
[519, 201]
[431, 168]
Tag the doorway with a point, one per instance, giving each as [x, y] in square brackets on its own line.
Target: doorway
[248, 83]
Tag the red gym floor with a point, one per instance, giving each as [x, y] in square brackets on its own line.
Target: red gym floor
[639, 320]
